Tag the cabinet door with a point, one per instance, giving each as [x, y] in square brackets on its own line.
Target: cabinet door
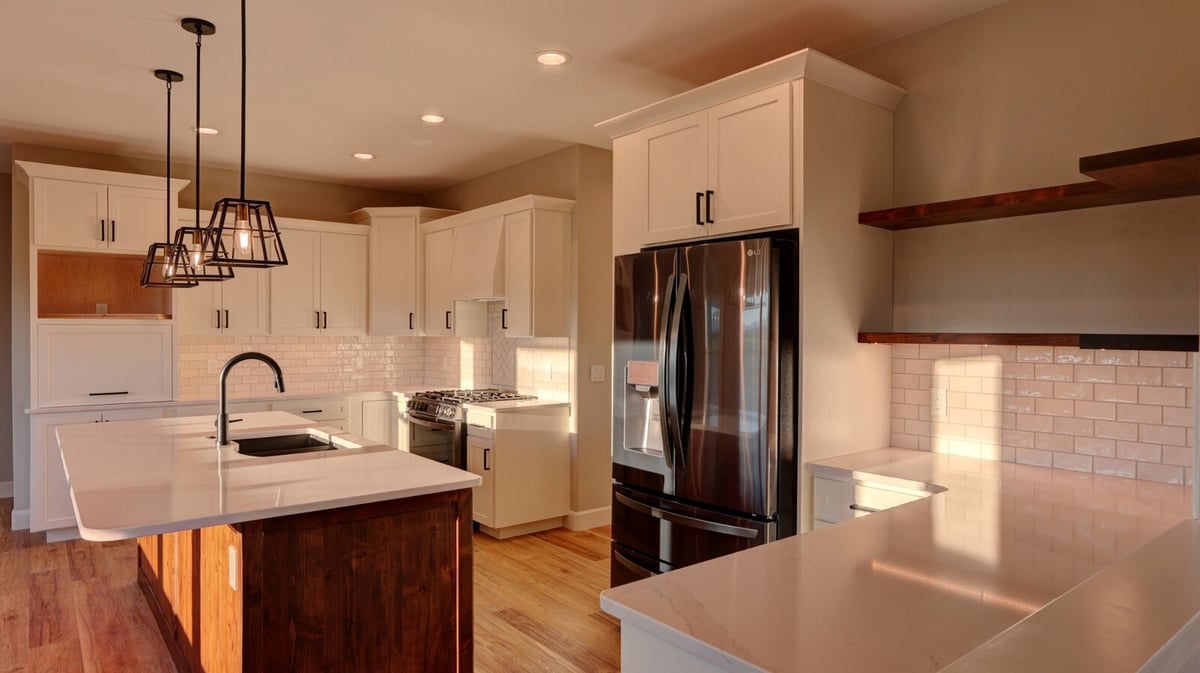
[750, 162]
[137, 217]
[343, 284]
[392, 279]
[244, 302]
[439, 305]
[377, 425]
[675, 173]
[90, 363]
[538, 280]
[516, 319]
[294, 291]
[69, 214]
[49, 495]
[477, 262]
[197, 309]
[481, 460]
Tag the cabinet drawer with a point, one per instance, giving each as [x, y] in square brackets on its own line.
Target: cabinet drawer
[102, 364]
[316, 409]
[835, 500]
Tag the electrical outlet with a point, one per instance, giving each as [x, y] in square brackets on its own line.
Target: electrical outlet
[597, 373]
[549, 371]
[101, 309]
[937, 402]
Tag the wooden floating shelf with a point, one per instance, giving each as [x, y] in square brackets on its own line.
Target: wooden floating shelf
[1140, 342]
[1150, 173]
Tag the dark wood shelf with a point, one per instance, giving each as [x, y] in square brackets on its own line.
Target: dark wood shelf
[1150, 173]
[1142, 342]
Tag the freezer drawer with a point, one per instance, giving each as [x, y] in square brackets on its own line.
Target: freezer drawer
[679, 534]
[630, 566]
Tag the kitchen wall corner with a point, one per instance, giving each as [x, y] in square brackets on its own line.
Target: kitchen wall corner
[6, 305]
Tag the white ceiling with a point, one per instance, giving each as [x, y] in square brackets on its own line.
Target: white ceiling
[327, 79]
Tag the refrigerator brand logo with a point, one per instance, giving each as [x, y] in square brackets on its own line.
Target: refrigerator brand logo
[753, 253]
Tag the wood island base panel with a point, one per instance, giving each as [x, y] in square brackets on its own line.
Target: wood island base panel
[384, 586]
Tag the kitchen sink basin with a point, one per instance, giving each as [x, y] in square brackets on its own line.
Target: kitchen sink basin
[283, 445]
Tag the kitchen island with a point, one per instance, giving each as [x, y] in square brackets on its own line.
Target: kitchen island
[352, 559]
[1005, 568]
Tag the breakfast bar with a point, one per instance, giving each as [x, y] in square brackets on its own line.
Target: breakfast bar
[359, 555]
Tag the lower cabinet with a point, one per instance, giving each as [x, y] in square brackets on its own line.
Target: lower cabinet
[50, 505]
[332, 411]
[384, 586]
[85, 362]
[524, 458]
[374, 421]
[838, 500]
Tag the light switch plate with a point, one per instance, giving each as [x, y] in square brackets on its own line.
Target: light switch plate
[597, 373]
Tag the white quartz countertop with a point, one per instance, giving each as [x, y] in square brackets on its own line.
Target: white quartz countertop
[917, 587]
[509, 405]
[134, 478]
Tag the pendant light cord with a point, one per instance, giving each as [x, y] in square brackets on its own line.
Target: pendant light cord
[199, 33]
[243, 171]
[168, 238]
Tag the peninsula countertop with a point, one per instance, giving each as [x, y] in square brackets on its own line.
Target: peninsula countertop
[135, 478]
[917, 587]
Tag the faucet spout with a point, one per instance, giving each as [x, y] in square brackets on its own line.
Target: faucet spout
[222, 410]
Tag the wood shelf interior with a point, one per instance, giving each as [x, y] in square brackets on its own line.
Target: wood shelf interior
[71, 284]
[1150, 173]
[1143, 342]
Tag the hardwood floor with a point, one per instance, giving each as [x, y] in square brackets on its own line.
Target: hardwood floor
[75, 606]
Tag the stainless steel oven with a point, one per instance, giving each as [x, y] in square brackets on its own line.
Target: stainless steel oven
[435, 438]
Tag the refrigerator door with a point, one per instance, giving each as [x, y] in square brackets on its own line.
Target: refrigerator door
[653, 534]
[728, 402]
[642, 306]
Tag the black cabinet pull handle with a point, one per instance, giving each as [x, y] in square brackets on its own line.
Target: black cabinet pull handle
[318, 314]
[325, 319]
[410, 320]
[116, 392]
[113, 238]
[485, 457]
[699, 195]
[863, 508]
[311, 411]
[708, 195]
[226, 318]
[218, 318]
[503, 318]
[103, 230]
[447, 320]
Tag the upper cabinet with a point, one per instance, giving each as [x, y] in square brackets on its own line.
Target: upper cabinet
[235, 307]
[395, 268]
[715, 172]
[85, 209]
[735, 155]
[323, 288]
[537, 274]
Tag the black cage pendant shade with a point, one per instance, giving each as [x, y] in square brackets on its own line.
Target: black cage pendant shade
[190, 241]
[242, 232]
[159, 270]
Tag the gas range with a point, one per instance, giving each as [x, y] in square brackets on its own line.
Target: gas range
[447, 405]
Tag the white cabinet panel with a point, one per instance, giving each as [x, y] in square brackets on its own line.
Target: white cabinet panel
[343, 284]
[393, 279]
[235, 307]
[377, 424]
[481, 460]
[294, 292]
[537, 269]
[90, 363]
[477, 263]
[69, 214]
[675, 178]
[323, 288]
[439, 302]
[137, 218]
[837, 500]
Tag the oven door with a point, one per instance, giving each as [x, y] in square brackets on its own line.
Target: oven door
[435, 439]
[657, 534]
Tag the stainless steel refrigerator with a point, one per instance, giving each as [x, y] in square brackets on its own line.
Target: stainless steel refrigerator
[704, 403]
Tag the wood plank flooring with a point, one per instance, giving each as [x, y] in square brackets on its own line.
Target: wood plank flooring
[75, 606]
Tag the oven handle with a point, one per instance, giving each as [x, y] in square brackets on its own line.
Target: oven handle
[432, 425]
[684, 520]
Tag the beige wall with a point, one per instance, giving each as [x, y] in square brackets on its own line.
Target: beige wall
[584, 174]
[1009, 99]
[289, 197]
[6, 463]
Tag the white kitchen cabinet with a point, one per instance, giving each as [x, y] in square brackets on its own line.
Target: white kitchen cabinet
[538, 274]
[84, 209]
[477, 264]
[715, 172]
[838, 500]
[323, 288]
[396, 269]
[524, 458]
[83, 362]
[445, 313]
[234, 307]
[50, 505]
[331, 411]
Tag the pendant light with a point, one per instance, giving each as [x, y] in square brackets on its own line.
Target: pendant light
[242, 232]
[189, 241]
[158, 270]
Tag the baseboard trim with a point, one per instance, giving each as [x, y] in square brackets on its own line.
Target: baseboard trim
[6, 489]
[589, 518]
[62, 534]
[20, 519]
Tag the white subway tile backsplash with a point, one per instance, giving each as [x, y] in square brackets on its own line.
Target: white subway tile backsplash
[1118, 413]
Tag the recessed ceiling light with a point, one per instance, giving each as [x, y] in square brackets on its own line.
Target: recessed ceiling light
[552, 57]
[363, 155]
[433, 119]
[205, 130]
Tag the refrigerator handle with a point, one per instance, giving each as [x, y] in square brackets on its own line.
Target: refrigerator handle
[664, 378]
[681, 371]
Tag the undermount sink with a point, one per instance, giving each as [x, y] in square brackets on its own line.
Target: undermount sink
[295, 442]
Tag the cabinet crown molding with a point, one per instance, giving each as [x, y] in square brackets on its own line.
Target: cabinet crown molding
[527, 202]
[32, 169]
[373, 213]
[804, 64]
